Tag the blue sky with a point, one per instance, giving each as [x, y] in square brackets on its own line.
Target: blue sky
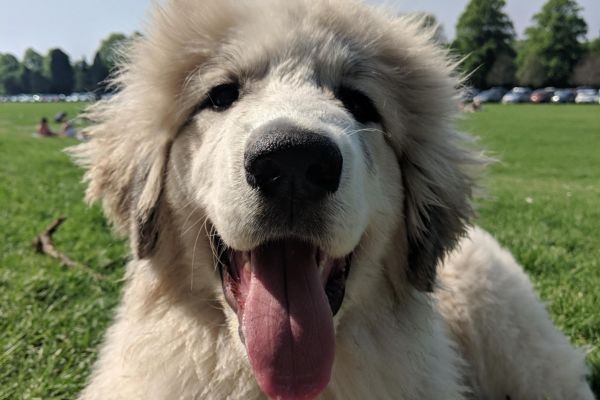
[78, 26]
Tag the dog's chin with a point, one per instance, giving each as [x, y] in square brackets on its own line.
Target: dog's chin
[285, 293]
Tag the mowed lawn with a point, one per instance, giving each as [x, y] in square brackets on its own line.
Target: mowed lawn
[51, 318]
[542, 201]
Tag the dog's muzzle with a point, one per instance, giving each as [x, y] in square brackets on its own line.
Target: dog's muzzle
[286, 290]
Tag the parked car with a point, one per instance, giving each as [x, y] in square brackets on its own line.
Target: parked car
[542, 95]
[517, 95]
[586, 96]
[86, 96]
[493, 95]
[563, 96]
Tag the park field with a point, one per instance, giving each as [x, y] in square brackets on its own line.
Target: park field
[541, 199]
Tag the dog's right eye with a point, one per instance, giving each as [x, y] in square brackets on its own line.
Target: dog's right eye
[359, 105]
[221, 97]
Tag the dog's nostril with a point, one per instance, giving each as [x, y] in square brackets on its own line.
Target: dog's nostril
[265, 172]
[325, 175]
[283, 161]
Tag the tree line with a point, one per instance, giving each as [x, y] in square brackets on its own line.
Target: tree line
[54, 72]
[553, 52]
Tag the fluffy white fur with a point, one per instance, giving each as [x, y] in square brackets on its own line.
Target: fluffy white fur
[169, 176]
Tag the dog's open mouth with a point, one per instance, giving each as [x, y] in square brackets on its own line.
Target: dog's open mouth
[285, 294]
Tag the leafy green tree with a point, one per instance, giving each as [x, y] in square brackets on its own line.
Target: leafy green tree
[109, 50]
[10, 70]
[33, 60]
[587, 70]
[106, 59]
[98, 73]
[32, 73]
[502, 72]
[555, 41]
[83, 77]
[24, 79]
[484, 33]
[594, 45]
[58, 69]
[531, 72]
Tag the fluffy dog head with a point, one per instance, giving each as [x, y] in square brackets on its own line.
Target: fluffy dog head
[311, 137]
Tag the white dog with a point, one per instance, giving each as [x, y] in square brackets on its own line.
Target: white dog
[290, 179]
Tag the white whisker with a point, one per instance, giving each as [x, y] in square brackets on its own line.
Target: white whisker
[368, 130]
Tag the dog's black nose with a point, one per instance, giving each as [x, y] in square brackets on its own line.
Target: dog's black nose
[284, 161]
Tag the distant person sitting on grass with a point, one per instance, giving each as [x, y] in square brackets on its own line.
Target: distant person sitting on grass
[43, 128]
[68, 129]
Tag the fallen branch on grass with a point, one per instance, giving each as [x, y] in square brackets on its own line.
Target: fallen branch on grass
[43, 244]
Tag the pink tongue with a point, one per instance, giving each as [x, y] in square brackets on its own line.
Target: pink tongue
[287, 322]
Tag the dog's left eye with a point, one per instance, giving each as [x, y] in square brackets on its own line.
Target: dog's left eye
[221, 97]
[359, 105]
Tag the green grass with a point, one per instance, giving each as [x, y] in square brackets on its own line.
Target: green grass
[51, 318]
[542, 203]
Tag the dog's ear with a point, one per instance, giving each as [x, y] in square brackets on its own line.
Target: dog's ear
[128, 177]
[437, 210]
[131, 134]
[437, 163]
[146, 200]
